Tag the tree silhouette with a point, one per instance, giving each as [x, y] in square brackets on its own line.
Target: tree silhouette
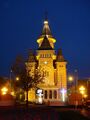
[27, 80]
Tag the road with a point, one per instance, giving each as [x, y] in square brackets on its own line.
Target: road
[43, 113]
[85, 112]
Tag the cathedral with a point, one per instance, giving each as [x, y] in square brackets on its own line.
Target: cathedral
[53, 63]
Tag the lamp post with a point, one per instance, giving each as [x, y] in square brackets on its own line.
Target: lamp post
[88, 88]
[75, 79]
[11, 80]
[70, 79]
[76, 84]
[82, 90]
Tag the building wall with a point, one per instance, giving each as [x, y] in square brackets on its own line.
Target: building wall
[54, 78]
[45, 62]
[61, 75]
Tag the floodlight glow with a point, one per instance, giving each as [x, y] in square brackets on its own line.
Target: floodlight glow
[17, 78]
[40, 100]
[63, 92]
[45, 62]
[45, 22]
[4, 90]
[70, 78]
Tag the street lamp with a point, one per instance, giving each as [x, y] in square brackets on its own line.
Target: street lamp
[11, 79]
[70, 78]
[75, 79]
[88, 88]
[4, 90]
[17, 78]
[82, 90]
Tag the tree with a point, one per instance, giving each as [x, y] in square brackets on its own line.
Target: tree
[2, 81]
[27, 80]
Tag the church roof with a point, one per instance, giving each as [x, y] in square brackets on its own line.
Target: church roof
[31, 57]
[45, 44]
[60, 57]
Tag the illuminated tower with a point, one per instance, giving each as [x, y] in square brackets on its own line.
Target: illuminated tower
[52, 64]
[45, 55]
[31, 62]
[61, 73]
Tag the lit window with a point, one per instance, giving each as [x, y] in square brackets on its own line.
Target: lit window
[45, 95]
[50, 94]
[55, 94]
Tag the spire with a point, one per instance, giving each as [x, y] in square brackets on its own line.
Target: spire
[46, 32]
[46, 29]
[46, 14]
[45, 44]
[60, 57]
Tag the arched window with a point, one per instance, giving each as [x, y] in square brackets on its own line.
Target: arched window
[55, 94]
[50, 94]
[45, 94]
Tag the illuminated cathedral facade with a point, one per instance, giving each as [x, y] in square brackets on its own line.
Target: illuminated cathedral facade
[53, 65]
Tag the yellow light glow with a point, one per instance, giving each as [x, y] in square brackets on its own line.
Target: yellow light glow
[82, 92]
[85, 96]
[82, 88]
[70, 78]
[45, 22]
[45, 62]
[51, 39]
[39, 40]
[4, 90]
[17, 78]
[37, 57]
[54, 57]
[12, 93]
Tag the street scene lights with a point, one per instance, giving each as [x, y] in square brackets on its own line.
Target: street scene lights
[82, 90]
[73, 93]
[63, 94]
[11, 79]
[70, 78]
[4, 90]
[17, 78]
[70, 81]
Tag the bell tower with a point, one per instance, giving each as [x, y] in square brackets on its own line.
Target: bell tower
[61, 72]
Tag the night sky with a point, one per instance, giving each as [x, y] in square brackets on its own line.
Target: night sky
[21, 22]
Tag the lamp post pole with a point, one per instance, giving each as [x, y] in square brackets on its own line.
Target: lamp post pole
[76, 85]
[88, 84]
[11, 80]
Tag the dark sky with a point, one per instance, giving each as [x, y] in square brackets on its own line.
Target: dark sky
[21, 23]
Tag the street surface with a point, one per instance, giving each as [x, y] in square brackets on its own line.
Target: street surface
[43, 113]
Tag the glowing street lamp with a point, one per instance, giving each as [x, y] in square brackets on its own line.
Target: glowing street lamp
[75, 79]
[4, 90]
[82, 90]
[17, 78]
[70, 78]
[85, 96]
